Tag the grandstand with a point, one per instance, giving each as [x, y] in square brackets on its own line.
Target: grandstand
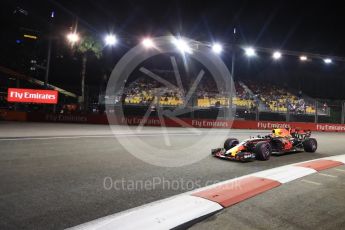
[143, 92]
[250, 96]
[242, 99]
[279, 99]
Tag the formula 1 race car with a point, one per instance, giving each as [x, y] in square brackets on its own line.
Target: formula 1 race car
[280, 141]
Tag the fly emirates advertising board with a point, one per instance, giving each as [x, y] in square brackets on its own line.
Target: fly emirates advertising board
[32, 96]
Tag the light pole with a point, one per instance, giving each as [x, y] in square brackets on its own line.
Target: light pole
[233, 52]
[46, 77]
[232, 67]
[73, 38]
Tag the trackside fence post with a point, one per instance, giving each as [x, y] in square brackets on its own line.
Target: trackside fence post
[287, 111]
[342, 112]
[316, 112]
[16, 105]
[257, 116]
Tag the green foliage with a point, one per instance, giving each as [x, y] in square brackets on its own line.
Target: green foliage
[89, 46]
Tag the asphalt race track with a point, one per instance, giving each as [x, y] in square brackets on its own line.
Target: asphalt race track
[53, 175]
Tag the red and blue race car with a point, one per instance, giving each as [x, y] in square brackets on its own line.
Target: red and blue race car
[280, 141]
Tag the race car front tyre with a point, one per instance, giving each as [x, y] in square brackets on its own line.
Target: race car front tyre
[215, 151]
[230, 143]
[310, 145]
[263, 151]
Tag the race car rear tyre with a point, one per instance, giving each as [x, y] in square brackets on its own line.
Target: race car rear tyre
[263, 151]
[230, 142]
[310, 145]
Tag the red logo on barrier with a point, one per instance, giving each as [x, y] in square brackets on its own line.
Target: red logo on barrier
[32, 96]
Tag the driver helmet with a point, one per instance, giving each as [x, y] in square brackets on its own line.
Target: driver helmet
[281, 132]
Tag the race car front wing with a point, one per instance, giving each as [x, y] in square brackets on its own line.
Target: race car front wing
[241, 156]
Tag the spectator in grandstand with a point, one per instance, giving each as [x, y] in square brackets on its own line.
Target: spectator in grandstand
[253, 107]
[324, 107]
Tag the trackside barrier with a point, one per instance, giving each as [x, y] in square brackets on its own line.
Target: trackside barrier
[8, 115]
[153, 121]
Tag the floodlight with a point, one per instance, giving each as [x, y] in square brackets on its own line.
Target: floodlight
[303, 58]
[110, 40]
[182, 45]
[250, 51]
[327, 60]
[217, 48]
[276, 55]
[147, 43]
[73, 37]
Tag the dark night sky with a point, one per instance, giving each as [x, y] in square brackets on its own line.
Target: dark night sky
[306, 26]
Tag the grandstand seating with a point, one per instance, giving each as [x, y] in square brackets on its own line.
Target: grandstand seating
[278, 99]
[249, 95]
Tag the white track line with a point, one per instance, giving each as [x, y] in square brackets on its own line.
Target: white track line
[95, 136]
[129, 134]
[327, 175]
[311, 182]
[340, 170]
